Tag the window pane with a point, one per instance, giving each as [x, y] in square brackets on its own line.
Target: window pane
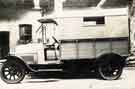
[80, 3]
[94, 3]
[47, 4]
[115, 3]
[16, 3]
[25, 32]
[24, 3]
[94, 20]
[7, 3]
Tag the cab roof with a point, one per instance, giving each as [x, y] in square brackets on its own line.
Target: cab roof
[48, 21]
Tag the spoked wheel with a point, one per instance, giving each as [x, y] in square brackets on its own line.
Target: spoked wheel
[110, 71]
[12, 72]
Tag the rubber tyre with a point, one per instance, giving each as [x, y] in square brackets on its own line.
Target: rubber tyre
[111, 68]
[15, 71]
[109, 77]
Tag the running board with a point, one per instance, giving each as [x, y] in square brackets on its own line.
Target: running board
[47, 70]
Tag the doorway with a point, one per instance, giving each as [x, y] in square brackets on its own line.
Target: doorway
[4, 43]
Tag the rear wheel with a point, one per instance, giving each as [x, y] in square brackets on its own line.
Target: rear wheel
[12, 72]
[110, 72]
[111, 69]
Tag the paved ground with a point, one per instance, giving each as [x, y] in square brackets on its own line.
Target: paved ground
[127, 81]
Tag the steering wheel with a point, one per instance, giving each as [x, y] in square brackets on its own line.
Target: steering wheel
[55, 39]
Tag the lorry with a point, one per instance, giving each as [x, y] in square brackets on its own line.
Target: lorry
[98, 42]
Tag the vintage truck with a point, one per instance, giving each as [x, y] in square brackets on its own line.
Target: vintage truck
[97, 42]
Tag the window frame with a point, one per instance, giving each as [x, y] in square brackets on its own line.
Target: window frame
[25, 37]
[94, 21]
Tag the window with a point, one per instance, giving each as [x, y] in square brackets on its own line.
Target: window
[24, 3]
[25, 33]
[93, 21]
[48, 5]
[94, 3]
[115, 3]
[80, 3]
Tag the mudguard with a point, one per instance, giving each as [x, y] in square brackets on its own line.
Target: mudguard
[105, 58]
[19, 59]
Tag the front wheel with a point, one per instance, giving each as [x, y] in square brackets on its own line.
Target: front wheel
[12, 72]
